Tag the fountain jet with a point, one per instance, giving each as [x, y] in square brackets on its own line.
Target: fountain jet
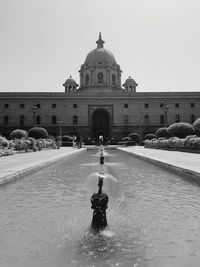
[99, 202]
[101, 156]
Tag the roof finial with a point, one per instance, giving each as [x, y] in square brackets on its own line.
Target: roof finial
[100, 42]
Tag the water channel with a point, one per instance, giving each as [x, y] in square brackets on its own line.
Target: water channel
[153, 216]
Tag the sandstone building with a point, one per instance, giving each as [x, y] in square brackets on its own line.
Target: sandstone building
[100, 104]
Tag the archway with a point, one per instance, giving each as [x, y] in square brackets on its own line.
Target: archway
[101, 123]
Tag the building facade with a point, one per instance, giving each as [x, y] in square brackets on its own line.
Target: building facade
[99, 105]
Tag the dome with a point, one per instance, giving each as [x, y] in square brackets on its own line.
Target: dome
[70, 80]
[100, 55]
[130, 80]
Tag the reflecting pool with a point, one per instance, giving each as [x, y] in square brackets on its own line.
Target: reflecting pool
[153, 216]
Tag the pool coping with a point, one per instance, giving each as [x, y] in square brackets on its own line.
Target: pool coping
[187, 173]
[15, 175]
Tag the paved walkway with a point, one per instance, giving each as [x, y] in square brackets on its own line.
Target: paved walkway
[13, 166]
[181, 162]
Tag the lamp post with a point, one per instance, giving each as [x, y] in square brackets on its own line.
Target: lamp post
[34, 112]
[165, 109]
[140, 118]
[60, 128]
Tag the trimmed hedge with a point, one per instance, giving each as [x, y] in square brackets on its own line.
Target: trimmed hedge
[196, 126]
[191, 142]
[135, 137]
[181, 129]
[162, 132]
[38, 133]
[18, 134]
[149, 136]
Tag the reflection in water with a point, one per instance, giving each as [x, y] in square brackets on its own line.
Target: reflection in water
[153, 219]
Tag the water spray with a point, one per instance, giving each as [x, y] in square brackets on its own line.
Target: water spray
[99, 202]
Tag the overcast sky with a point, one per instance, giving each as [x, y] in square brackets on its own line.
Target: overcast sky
[42, 42]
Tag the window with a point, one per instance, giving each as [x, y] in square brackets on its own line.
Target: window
[192, 105]
[38, 119]
[113, 79]
[53, 105]
[87, 79]
[177, 105]
[146, 119]
[38, 105]
[162, 119]
[22, 105]
[177, 118]
[74, 105]
[75, 120]
[5, 120]
[100, 77]
[54, 120]
[125, 105]
[146, 105]
[192, 118]
[161, 105]
[21, 121]
[126, 119]
[6, 105]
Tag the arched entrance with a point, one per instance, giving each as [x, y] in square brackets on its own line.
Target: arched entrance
[101, 123]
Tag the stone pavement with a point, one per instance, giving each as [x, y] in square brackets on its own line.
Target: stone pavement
[13, 166]
[187, 164]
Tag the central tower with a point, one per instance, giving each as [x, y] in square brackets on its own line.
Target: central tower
[100, 70]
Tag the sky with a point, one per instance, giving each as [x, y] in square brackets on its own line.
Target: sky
[43, 42]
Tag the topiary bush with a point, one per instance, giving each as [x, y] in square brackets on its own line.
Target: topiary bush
[18, 134]
[149, 136]
[135, 137]
[196, 126]
[181, 129]
[38, 133]
[162, 132]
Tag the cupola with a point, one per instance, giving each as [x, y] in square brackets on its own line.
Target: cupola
[70, 85]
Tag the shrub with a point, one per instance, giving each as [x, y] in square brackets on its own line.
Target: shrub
[149, 136]
[3, 142]
[38, 133]
[18, 134]
[181, 129]
[196, 126]
[33, 144]
[162, 132]
[135, 137]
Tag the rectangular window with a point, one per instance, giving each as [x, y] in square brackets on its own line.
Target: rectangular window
[177, 105]
[146, 105]
[6, 105]
[22, 105]
[53, 105]
[192, 105]
[38, 105]
[74, 105]
[125, 105]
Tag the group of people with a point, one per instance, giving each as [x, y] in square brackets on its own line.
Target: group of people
[77, 141]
